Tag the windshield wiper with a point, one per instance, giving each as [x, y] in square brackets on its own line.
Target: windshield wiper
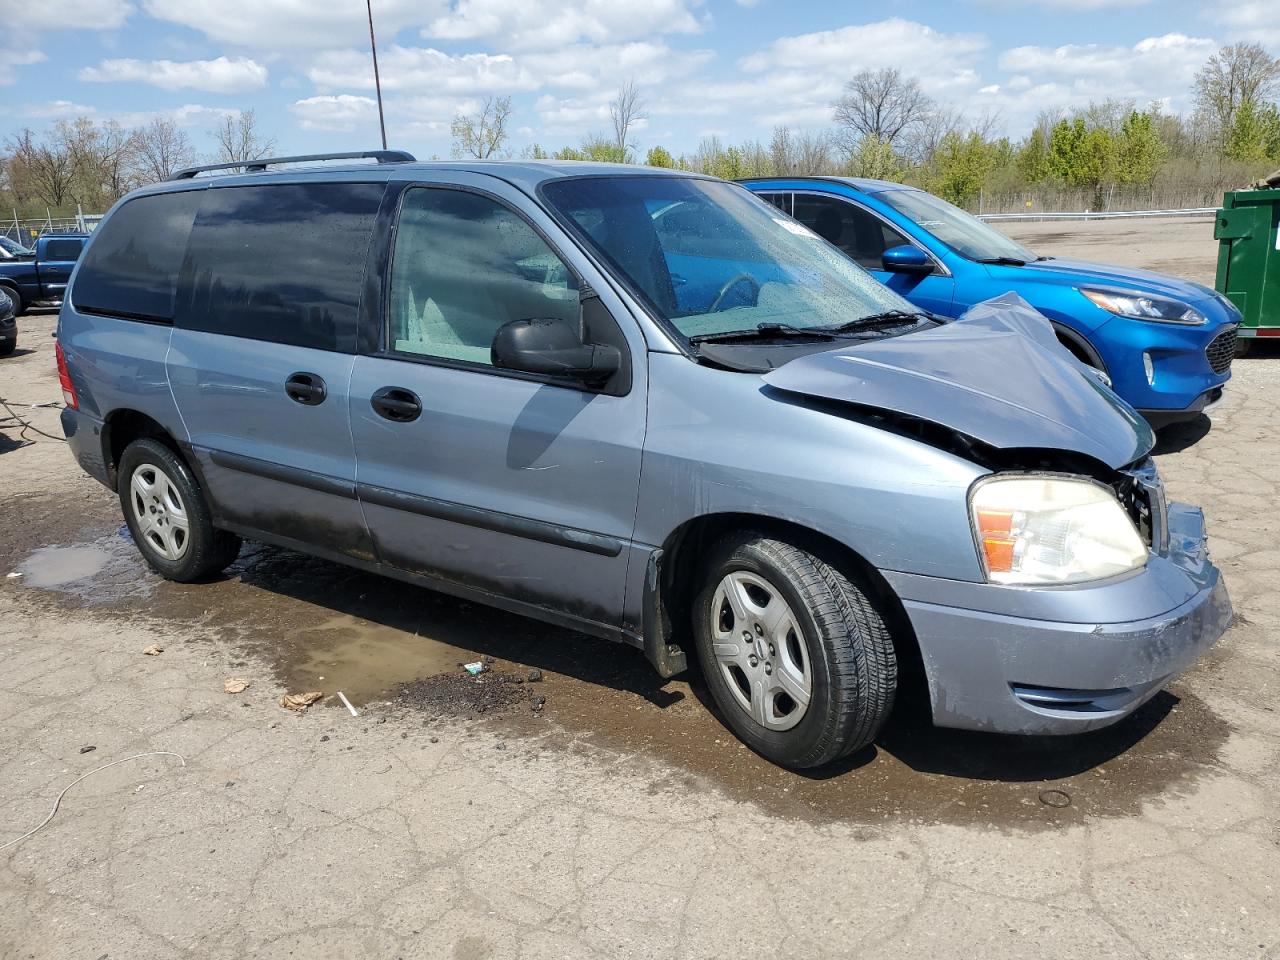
[764, 331]
[889, 318]
[1004, 261]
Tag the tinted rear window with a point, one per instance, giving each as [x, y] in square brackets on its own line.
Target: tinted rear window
[63, 249]
[131, 269]
[279, 263]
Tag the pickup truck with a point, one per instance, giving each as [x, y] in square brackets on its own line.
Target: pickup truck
[42, 278]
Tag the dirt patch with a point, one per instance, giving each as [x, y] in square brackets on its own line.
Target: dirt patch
[321, 626]
[462, 695]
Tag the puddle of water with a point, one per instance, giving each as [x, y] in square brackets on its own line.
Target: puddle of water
[366, 661]
[103, 570]
[365, 635]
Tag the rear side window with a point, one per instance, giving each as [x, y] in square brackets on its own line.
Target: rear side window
[279, 263]
[63, 249]
[131, 269]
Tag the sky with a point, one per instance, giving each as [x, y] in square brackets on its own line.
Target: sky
[731, 68]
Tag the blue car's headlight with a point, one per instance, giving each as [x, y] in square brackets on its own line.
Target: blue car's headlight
[1141, 306]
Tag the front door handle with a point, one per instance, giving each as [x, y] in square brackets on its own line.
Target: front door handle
[396, 404]
[306, 388]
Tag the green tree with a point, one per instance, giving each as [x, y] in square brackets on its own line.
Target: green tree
[1032, 159]
[658, 157]
[874, 158]
[1139, 151]
[961, 167]
[1254, 135]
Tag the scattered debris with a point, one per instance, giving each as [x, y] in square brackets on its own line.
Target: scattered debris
[300, 701]
[475, 669]
[1055, 798]
[346, 703]
[535, 676]
[88, 749]
[13, 576]
[234, 685]
[460, 695]
[154, 650]
[325, 738]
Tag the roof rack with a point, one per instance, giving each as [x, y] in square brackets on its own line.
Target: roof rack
[260, 166]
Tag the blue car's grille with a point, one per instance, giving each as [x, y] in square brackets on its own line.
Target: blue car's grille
[1222, 350]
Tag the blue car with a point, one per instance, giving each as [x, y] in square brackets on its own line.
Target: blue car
[1166, 344]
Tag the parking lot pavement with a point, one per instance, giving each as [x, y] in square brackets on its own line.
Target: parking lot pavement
[618, 818]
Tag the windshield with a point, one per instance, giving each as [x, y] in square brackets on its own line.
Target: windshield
[710, 258]
[965, 234]
[13, 249]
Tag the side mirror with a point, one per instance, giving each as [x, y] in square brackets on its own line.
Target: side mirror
[906, 259]
[553, 347]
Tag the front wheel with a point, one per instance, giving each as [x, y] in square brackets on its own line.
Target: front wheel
[168, 517]
[796, 655]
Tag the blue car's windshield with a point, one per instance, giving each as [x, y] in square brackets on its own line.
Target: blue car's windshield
[711, 258]
[965, 234]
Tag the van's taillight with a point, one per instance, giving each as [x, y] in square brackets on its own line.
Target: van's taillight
[64, 378]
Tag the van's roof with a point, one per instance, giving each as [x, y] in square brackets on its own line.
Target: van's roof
[526, 174]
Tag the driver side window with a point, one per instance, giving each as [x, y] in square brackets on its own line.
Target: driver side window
[862, 235]
[463, 266]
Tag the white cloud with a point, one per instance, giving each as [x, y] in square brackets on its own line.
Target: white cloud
[1150, 68]
[58, 110]
[189, 115]
[10, 60]
[277, 24]
[35, 15]
[919, 50]
[420, 68]
[542, 24]
[341, 113]
[1250, 20]
[216, 76]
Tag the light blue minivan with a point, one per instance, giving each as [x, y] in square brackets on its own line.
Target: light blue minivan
[645, 406]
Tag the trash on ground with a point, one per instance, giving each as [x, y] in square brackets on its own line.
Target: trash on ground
[300, 701]
[1055, 798]
[347, 703]
[154, 650]
[475, 669]
[89, 748]
[13, 576]
[234, 685]
[535, 676]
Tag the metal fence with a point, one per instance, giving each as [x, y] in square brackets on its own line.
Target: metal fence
[1100, 214]
[26, 231]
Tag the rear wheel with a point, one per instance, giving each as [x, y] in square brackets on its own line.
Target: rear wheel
[8, 346]
[799, 660]
[168, 517]
[19, 307]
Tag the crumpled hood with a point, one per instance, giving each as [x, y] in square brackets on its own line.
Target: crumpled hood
[1080, 273]
[997, 374]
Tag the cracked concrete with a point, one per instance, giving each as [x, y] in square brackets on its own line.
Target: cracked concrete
[622, 822]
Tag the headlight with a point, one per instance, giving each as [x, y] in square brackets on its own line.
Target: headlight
[1037, 530]
[1140, 306]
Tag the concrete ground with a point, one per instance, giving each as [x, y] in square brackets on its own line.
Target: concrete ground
[620, 819]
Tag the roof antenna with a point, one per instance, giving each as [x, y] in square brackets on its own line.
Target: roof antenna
[377, 80]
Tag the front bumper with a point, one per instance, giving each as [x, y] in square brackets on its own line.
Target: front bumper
[1066, 659]
[1183, 371]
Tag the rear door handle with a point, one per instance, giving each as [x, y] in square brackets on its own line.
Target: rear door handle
[396, 404]
[306, 388]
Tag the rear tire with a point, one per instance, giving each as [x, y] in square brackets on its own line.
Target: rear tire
[168, 517]
[8, 346]
[796, 655]
[19, 307]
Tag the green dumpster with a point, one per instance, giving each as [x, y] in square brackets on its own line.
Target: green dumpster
[1249, 257]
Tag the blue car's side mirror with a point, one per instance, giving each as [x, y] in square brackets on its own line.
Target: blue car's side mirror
[906, 259]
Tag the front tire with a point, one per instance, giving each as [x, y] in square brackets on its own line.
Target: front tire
[797, 657]
[168, 517]
[8, 346]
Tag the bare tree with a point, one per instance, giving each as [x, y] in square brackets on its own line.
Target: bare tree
[879, 103]
[163, 148]
[782, 152]
[813, 153]
[238, 138]
[42, 169]
[1236, 74]
[483, 134]
[625, 109]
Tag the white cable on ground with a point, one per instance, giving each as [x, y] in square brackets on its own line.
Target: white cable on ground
[54, 811]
